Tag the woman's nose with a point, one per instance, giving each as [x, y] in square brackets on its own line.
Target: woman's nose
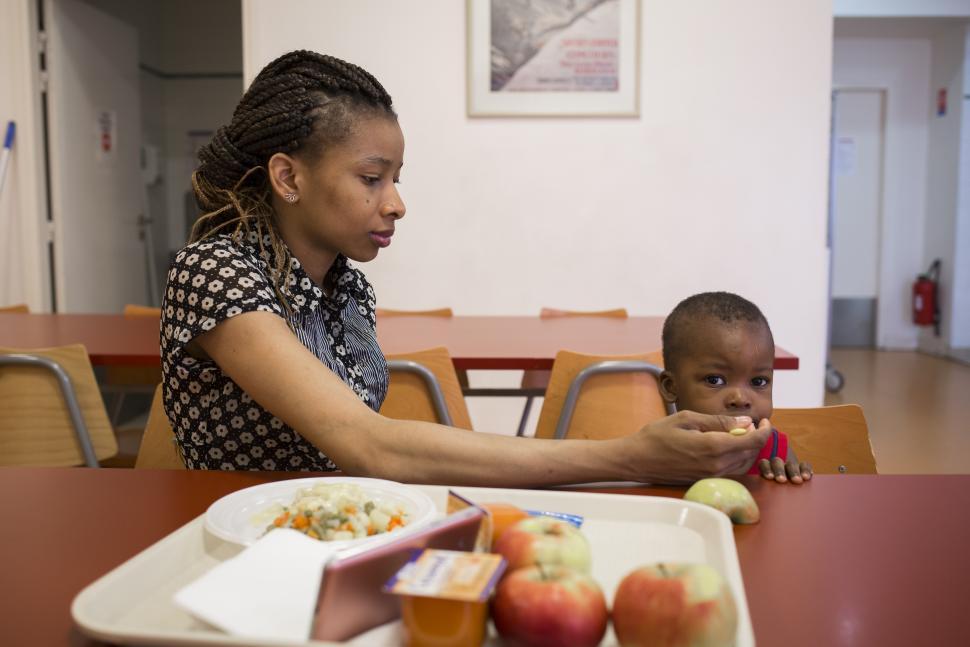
[394, 205]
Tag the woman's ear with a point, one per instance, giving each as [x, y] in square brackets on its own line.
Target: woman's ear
[282, 175]
[668, 387]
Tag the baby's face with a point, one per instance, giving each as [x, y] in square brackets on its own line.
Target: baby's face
[726, 369]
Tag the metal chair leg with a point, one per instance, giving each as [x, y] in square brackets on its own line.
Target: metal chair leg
[525, 416]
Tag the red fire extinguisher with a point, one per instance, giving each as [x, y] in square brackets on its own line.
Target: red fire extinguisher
[926, 303]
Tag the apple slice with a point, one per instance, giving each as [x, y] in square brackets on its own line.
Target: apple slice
[730, 497]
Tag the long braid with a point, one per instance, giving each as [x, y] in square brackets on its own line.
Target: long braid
[303, 103]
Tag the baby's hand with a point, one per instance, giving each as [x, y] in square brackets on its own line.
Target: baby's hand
[778, 470]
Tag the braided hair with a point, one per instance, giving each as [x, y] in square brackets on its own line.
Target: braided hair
[302, 103]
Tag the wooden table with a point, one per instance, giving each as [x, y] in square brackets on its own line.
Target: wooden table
[496, 343]
[844, 560]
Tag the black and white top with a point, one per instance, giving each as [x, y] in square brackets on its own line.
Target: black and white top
[216, 423]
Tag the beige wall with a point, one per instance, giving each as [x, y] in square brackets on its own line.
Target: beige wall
[23, 258]
[720, 184]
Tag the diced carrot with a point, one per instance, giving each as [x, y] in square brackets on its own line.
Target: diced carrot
[371, 530]
[300, 522]
[350, 509]
[394, 523]
[280, 520]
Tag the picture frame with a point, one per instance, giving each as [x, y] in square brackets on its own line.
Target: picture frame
[548, 59]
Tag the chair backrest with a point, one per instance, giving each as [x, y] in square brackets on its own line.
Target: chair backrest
[36, 423]
[435, 312]
[835, 440]
[158, 448]
[133, 310]
[550, 313]
[135, 375]
[409, 396]
[20, 308]
[539, 379]
[607, 405]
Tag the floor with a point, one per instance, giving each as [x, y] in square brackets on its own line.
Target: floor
[917, 407]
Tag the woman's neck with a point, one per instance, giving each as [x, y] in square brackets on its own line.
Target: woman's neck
[316, 262]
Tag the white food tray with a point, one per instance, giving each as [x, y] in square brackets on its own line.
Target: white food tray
[133, 603]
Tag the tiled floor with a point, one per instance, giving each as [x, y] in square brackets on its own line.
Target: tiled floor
[917, 407]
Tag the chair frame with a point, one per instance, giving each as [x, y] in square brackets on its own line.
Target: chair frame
[434, 387]
[601, 368]
[70, 398]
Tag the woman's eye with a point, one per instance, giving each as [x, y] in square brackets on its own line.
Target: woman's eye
[760, 382]
[370, 179]
[715, 380]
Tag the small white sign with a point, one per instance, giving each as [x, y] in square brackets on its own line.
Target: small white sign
[845, 156]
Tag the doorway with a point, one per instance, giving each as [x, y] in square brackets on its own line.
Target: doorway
[858, 143]
[135, 87]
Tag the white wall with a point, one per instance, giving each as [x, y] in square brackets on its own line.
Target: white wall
[720, 184]
[24, 273]
[960, 295]
[951, 69]
[901, 66]
[943, 163]
[875, 8]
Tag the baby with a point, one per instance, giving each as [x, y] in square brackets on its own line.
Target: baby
[718, 356]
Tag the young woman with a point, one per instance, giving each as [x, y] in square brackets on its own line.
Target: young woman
[269, 350]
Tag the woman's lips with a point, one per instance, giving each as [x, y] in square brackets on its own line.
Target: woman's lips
[381, 238]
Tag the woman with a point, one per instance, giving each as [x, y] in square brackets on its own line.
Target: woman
[269, 350]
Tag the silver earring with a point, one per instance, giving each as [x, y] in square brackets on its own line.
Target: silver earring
[291, 197]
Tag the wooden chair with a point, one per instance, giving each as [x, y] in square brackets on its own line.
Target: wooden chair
[17, 308]
[51, 411]
[434, 312]
[538, 380]
[612, 396]
[835, 440]
[123, 380]
[158, 448]
[410, 394]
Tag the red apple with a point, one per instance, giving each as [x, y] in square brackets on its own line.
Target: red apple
[550, 605]
[543, 541]
[674, 605]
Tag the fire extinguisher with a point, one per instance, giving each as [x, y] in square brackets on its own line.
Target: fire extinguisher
[926, 302]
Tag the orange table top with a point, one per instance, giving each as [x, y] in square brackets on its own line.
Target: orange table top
[841, 561]
[496, 343]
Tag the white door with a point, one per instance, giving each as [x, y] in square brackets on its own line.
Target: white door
[94, 152]
[857, 167]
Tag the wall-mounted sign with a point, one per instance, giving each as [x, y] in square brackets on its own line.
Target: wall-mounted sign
[107, 134]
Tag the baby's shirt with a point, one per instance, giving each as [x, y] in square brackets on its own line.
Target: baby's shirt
[777, 445]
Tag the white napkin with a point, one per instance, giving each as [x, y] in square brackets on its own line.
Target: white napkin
[268, 591]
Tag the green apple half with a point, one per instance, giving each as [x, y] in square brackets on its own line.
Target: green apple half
[730, 497]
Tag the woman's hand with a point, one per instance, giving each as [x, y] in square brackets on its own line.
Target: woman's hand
[688, 446]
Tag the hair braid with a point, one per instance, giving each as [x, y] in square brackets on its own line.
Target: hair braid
[303, 103]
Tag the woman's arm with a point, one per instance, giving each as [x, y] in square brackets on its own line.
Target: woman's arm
[259, 352]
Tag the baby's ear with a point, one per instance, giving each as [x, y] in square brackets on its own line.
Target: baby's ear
[668, 387]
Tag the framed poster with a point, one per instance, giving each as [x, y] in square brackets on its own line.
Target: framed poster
[553, 58]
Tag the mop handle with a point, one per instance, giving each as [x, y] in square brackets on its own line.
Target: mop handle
[5, 155]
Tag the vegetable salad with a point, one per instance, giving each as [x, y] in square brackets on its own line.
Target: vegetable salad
[336, 512]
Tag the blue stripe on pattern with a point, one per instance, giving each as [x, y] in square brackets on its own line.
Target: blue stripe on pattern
[360, 342]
